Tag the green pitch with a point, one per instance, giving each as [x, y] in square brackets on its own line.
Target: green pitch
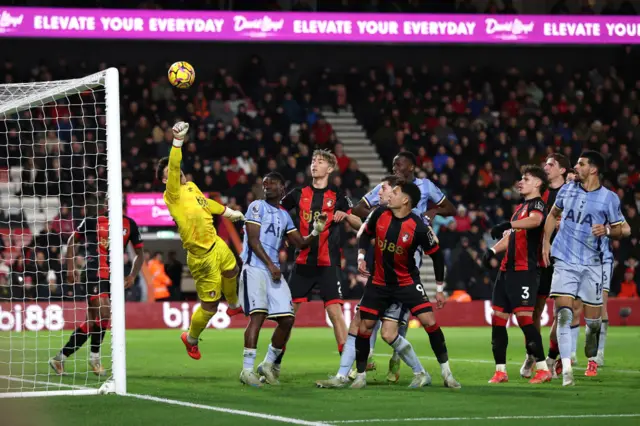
[159, 367]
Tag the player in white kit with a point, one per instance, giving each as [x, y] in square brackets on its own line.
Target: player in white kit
[264, 293]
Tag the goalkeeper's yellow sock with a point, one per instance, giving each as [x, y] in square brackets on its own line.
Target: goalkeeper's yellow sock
[199, 321]
[230, 290]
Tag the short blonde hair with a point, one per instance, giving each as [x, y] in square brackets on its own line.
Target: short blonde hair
[327, 156]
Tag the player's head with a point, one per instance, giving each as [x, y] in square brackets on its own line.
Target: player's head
[571, 176]
[533, 182]
[557, 165]
[273, 186]
[404, 164]
[590, 164]
[404, 195]
[162, 172]
[323, 163]
[386, 188]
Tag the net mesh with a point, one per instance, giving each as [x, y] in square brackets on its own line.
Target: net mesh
[53, 175]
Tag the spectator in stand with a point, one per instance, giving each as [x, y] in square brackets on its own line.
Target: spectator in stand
[463, 221]
[628, 288]
[343, 159]
[322, 131]
[352, 175]
[63, 224]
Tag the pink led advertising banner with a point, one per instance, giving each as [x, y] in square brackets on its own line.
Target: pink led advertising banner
[316, 27]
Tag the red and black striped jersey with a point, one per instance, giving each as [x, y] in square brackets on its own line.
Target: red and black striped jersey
[305, 205]
[525, 245]
[94, 231]
[396, 242]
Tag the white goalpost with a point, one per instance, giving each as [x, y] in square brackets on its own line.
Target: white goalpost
[59, 160]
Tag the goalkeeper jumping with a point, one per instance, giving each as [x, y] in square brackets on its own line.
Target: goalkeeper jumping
[211, 262]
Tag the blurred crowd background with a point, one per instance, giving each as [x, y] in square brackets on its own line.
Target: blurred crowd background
[471, 128]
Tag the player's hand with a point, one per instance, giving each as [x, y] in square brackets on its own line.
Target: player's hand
[440, 300]
[362, 268]
[498, 230]
[339, 216]
[599, 230]
[128, 281]
[546, 253]
[233, 215]
[486, 258]
[180, 130]
[71, 277]
[275, 272]
[320, 223]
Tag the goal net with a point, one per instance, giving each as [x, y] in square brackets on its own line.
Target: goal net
[59, 164]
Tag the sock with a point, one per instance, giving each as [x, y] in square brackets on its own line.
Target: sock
[532, 338]
[604, 327]
[97, 335]
[272, 354]
[374, 336]
[402, 331]
[499, 341]
[94, 356]
[593, 332]
[438, 345]
[249, 358]
[362, 351]
[77, 339]
[404, 349]
[230, 290]
[348, 356]
[575, 333]
[565, 316]
[278, 360]
[199, 321]
[553, 349]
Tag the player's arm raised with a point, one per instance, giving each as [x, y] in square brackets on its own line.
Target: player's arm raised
[300, 242]
[180, 130]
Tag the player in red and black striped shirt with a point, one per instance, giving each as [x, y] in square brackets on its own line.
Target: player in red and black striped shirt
[516, 286]
[398, 233]
[94, 233]
[319, 265]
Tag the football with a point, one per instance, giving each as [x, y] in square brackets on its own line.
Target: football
[182, 75]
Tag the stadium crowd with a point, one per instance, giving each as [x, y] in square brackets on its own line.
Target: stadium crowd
[470, 129]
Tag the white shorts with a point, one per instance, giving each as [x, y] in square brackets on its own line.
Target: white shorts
[608, 274]
[260, 294]
[584, 282]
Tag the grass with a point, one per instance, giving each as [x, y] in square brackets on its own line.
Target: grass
[157, 365]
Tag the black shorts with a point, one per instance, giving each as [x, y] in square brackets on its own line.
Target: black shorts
[98, 287]
[515, 291]
[304, 278]
[545, 282]
[378, 298]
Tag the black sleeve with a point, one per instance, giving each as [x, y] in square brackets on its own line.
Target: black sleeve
[369, 228]
[343, 203]
[291, 200]
[426, 238]
[438, 265]
[538, 206]
[134, 234]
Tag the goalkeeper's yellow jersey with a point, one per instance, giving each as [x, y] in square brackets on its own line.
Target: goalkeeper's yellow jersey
[190, 209]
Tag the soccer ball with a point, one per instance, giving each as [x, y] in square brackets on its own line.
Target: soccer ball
[182, 75]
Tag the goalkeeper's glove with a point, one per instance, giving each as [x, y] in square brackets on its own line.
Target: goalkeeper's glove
[233, 215]
[319, 224]
[180, 130]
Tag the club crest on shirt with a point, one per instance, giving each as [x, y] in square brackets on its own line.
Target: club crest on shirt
[212, 294]
[256, 211]
[405, 238]
[329, 203]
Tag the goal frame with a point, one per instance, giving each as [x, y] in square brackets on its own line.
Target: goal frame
[109, 79]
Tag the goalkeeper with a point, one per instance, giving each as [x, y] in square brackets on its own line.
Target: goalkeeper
[211, 262]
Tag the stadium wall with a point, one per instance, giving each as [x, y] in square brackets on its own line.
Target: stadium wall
[18, 317]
